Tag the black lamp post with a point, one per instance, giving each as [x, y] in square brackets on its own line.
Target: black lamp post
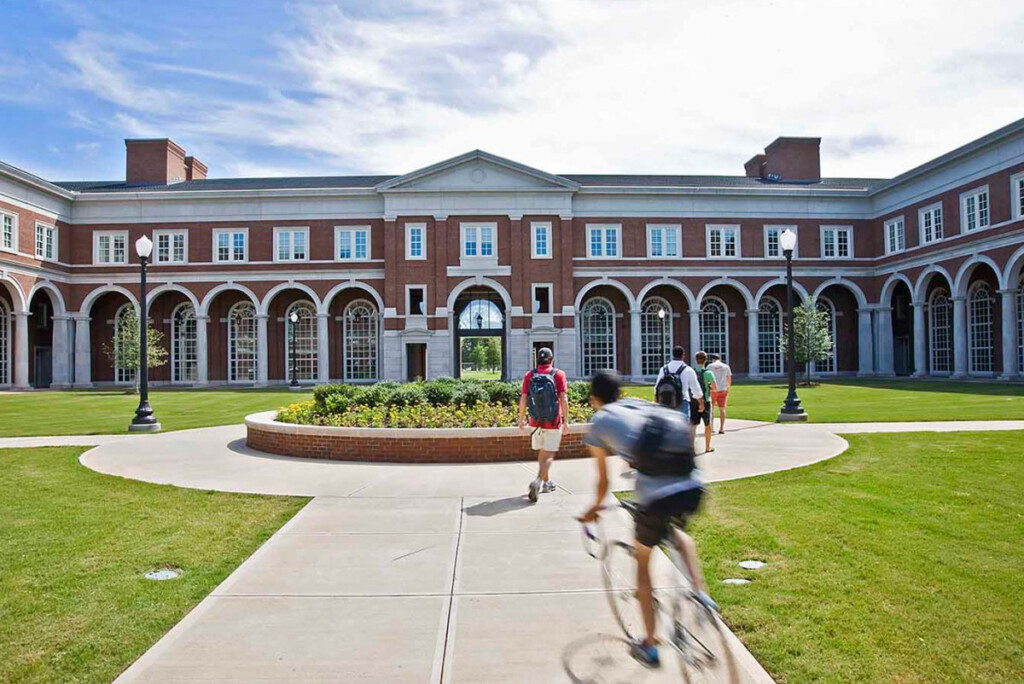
[144, 420]
[294, 318]
[791, 410]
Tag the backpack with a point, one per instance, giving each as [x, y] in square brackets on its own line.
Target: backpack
[700, 379]
[664, 446]
[669, 390]
[542, 397]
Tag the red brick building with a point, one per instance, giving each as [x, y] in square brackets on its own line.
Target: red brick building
[389, 275]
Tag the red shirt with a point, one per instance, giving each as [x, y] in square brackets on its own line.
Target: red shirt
[561, 386]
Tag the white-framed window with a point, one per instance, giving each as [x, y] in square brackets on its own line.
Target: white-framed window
[772, 246]
[974, 210]
[540, 239]
[1017, 195]
[170, 246]
[895, 235]
[416, 300]
[110, 247]
[836, 242]
[664, 241]
[351, 243]
[828, 364]
[242, 343]
[230, 245]
[930, 221]
[8, 232]
[46, 242]
[291, 244]
[360, 332]
[979, 328]
[479, 240]
[305, 359]
[604, 241]
[415, 241]
[655, 335]
[940, 319]
[597, 335]
[541, 298]
[5, 344]
[714, 327]
[184, 359]
[769, 330]
[723, 242]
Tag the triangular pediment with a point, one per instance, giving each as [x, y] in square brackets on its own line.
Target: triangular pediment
[476, 171]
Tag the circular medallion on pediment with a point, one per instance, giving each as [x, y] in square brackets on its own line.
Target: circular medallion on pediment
[477, 175]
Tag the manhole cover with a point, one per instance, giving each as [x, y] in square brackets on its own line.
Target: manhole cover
[752, 564]
[163, 574]
[735, 580]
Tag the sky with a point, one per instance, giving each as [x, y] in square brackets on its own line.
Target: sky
[260, 88]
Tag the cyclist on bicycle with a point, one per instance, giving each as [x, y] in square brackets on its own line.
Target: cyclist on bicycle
[668, 486]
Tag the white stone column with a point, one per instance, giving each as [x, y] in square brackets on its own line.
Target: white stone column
[959, 337]
[83, 352]
[865, 344]
[262, 350]
[60, 353]
[1009, 301]
[635, 357]
[323, 349]
[694, 334]
[202, 351]
[753, 358]
[920, 341]
[883, 339]
[21, 350]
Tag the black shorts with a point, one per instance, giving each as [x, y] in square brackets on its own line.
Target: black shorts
[696, 415]
[653, 521]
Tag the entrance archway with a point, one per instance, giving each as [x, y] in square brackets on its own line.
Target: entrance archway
[480, 335]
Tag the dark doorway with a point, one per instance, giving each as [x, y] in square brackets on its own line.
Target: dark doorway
[415, 361]
[44, 367]
[902, 330]
[480, 335]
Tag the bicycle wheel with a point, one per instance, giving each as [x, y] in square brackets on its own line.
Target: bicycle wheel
[619, 565]
[699, 637]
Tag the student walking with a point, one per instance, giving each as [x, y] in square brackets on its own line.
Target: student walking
[543, 394]
[700, 411]
[723, 381]
[677, 383]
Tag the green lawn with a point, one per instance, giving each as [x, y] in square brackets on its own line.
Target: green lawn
[852, 401]
[73, 547]
[898, 561]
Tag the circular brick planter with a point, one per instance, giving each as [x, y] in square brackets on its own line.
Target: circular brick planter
[400, 445]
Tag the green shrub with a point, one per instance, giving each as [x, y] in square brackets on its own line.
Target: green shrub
[424, 415]
[578, 393]
[469, 393]
[302, 413]
[504, 393]
[377, 395]
[323, 393]
[439, 392]
[408, 395]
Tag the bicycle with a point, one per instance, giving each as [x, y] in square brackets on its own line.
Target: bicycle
[694, 631]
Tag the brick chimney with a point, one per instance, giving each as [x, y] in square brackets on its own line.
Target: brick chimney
[155, 162]
[755, 167]
[194, 169]
[792, 160]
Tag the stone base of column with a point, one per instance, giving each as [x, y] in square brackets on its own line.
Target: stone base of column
[865, 374]
[791, 417]
[919, 375]
[958, 376]
[60, 386]
[82, 385]
[145, 427]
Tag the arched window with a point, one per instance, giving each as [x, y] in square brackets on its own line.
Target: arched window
[714, 327]
[184, 366]
[359, 331]
[123, 316]
[979, 328]
[5, 343]
[305, 341]
[1020, 326]
[655, 335]
[242, 343]
[481, 314]
[940, 314]
[597, 334]
[828, 365]
[769, 330]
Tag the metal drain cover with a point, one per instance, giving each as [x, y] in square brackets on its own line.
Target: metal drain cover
[163, 574]
[735, 580]
[752, 564]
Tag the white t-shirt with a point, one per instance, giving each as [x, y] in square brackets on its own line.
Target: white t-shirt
[721, 371]
[688, 378]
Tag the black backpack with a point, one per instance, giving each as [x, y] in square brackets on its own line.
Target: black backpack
[700, 380]
[664, 446]
[669, 390]
[542, 397]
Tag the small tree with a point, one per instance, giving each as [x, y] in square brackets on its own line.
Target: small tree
[123, 349]
[493, 353]
[812, 335]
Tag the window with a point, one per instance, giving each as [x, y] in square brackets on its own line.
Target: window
[895, 236]
[231, 245]
[124, 316]
[8, 232]
[723, 242]
[478, 240]
[714, 327]
[360, 334]
[836, 242]
[352, 243]
[597, 334]
[110, 247]
[46, 242]
[974, 210]
[242, 344]
[541, 240]
[170, 247]
[828, 364]
[663, 242]
[184, 361]
[772, 247]
[542, 299]
[940, 314]
[979, 328]
[603, 241]
[1017, 196]
[42, 315]
[291, 244]
[655, 335]
[769, 330]
[5, 344]
[930, 221]
[416, 301]
[305, 359]
[415, 241]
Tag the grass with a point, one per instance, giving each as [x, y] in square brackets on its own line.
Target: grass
[73, 547]
[480, 374]
[898, 561]
[854, 401]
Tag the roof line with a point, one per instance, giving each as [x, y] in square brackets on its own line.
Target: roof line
[34, 180]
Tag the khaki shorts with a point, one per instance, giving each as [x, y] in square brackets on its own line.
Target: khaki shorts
[547, 440]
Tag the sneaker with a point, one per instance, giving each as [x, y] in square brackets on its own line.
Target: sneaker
[645, 655]
[534, 490]
[548, 487]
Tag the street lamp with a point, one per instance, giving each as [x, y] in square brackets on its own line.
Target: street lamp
[294, 318]
[791, 410]
[144, 420]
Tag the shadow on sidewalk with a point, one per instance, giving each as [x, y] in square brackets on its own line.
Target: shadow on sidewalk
[487, 509]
